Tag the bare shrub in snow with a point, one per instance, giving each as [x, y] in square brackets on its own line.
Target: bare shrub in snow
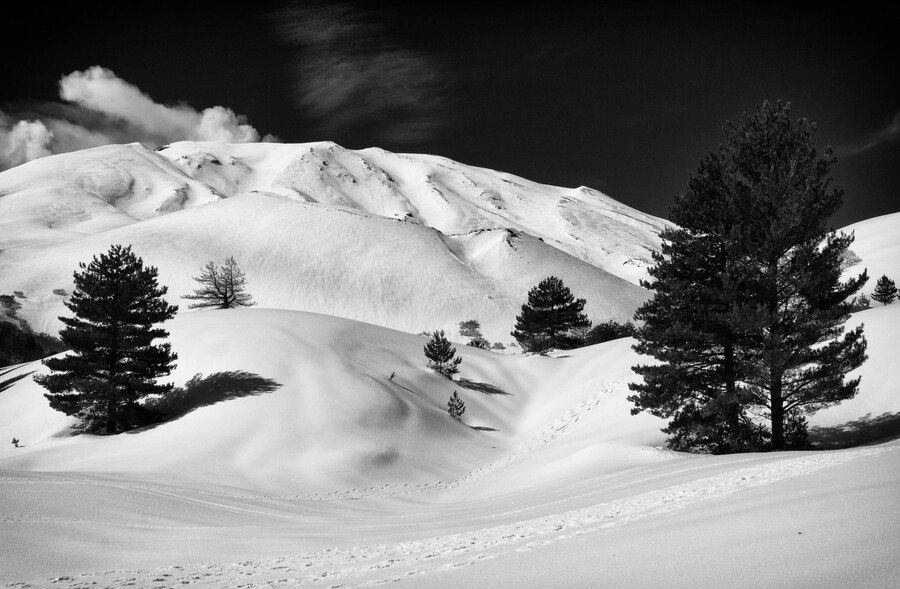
[221, 287]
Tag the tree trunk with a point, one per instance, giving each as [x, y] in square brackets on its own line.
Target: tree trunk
[777, 410]
[732, 418]
[773, 355]
[111, 416]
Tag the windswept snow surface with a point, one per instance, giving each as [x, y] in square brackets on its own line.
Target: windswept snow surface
[299, 460]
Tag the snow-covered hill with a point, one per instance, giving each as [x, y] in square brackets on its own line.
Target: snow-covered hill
[411, 242]
[299, 460]
[313, 444]
[875, 244]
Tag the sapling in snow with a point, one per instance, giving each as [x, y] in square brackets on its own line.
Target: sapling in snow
[456, 407]
[441, 355]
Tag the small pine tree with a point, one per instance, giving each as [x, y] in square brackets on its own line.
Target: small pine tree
[885, 291]
[860, 303]
[549, 318]
[472, 329]
[441, 355]
[113, 363]
[607, 331]
[796, 430]
[456, 407]
[222, 287]
[479, 342]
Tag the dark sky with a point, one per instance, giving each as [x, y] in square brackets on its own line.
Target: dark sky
[622, 97]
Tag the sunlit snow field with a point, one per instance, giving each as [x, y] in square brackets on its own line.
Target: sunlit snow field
[298, 459]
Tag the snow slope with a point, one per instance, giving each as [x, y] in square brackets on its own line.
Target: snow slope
[312, 444]
[875, 243]
[411, 242]
[298, 459]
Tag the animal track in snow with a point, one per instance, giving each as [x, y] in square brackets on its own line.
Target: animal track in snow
[364, 566]
[545, 436]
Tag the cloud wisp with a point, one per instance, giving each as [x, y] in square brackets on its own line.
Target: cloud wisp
[890, 133]
[350, 78]
[102, 109]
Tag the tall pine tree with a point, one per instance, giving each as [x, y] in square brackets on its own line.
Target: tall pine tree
[689, 325]
[113, 362]
[749, 307]
[796, 305]
[549, 317]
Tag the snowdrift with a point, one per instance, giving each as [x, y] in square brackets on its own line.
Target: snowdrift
[287, 401]
[301, 442]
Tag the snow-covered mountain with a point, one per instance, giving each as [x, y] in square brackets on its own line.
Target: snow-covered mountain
[412, 242]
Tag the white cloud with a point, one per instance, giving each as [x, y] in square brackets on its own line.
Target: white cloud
[98, 89]
[889, 134]
[106, 109]
[23, 141]
[221, 124]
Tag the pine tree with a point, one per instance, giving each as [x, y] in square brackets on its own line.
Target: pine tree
[885, 291]
[689, 326]
[472, 329]
[549, 317]
[793, 261]
[749, 308]
[607, 331]
[441, 355]
[860, 302]
[222, 287]
[113, 362]
[456, 407]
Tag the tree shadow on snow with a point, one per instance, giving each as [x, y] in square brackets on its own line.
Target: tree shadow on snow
[860, 432]
[482, 387]
[202, 391]
[484, 428]
[11, 381]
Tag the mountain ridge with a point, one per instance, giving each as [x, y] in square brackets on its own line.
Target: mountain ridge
[501, 234]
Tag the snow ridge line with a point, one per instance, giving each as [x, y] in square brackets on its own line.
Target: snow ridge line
[363, 566]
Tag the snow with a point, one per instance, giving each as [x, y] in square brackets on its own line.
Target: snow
[423, 241]
[298, 460]
[337, 474]
[875, 243]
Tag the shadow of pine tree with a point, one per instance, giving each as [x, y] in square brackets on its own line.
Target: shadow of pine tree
[202, 391]
[859, 432]
[12, 380]
[482, 387]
